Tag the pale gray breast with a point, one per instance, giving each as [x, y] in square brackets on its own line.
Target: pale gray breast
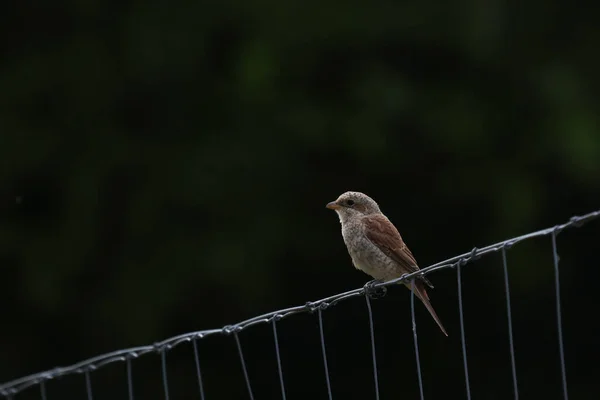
[365, 255]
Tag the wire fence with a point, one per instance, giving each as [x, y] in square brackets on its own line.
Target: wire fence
[10, 389]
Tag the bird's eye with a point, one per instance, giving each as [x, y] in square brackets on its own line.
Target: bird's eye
[349, 203]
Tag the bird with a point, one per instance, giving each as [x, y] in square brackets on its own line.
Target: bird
[376, 247]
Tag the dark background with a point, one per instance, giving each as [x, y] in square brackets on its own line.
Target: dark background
[165, 168]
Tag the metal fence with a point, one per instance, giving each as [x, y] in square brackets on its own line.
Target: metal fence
[11, 389]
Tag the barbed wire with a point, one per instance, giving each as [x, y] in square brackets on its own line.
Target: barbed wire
[10, 388]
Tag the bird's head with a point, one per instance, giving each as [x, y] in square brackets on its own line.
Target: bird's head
[353, 204]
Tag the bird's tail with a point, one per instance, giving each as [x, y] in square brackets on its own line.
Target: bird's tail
[421, 293]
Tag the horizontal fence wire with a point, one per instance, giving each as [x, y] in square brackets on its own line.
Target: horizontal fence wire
[10, 388]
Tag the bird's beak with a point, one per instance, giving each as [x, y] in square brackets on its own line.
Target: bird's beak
[333, 205]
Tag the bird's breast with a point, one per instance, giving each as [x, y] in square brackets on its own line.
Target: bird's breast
[365, 255]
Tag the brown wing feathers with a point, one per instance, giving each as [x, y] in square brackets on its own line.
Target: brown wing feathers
[382, 233]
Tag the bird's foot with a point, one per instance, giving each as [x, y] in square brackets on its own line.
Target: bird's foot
[375, 292]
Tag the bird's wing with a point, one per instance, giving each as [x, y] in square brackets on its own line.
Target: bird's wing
[383, 234]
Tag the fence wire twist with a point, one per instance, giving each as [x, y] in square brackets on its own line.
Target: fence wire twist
[11, 388]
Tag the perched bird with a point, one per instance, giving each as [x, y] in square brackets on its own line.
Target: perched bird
[375, 245]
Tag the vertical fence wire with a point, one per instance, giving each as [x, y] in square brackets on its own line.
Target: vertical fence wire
[559, 317]
[415, 339]
[43, 390]
[198, 374]
[88, 385]
[324, 353]
[129, 379]
[279, 369]
[510, 328]
[163, 356]
[243, 361]
[373, 351]
[462, 332]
